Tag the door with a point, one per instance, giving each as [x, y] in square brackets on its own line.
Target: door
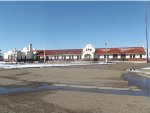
[115, 56]
[123, 56]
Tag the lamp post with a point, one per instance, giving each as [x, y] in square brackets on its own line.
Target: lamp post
[146, 21]
[44, 50]
[106, 60]
[44, 55]
[0, 55]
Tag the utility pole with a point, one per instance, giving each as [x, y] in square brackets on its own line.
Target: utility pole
[44, 50]
[0, 55]
[44, 55]
[146, 21]
[106, 60]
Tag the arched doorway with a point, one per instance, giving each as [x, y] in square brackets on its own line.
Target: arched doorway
[87, 56]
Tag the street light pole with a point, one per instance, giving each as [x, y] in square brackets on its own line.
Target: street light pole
[106, 60]
[44, 55]
[44, 50]
[146, 21]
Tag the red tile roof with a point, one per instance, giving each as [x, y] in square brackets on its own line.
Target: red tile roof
[127, 50]
[58, 52]
[99, 51]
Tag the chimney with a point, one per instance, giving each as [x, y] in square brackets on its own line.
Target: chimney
[30, 47]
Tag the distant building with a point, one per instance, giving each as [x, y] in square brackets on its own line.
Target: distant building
[14, 55]
[89, 52]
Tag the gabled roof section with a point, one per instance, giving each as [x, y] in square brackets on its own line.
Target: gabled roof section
[125, 50]
[25, 49]
[59, 52]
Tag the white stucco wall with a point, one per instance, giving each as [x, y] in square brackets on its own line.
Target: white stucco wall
[110, 56]
[119, 56]
[67, 57]
[59, 57]
[144, 56]
[137, 56]
[128, 56]
[10, 54]
[14, 54]
[102, 57]
[27, 51]
[88, 50]
[75, 57]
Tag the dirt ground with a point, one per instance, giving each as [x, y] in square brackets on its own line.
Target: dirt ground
[71, 101]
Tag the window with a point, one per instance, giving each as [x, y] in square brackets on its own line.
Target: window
[104, 56]
[133, 55]
[80, 57]
[88, 49]
[115, 56]
[123, 57]
[107, 56]
[130, 55]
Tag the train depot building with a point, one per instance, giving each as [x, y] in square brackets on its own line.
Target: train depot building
[90, 53]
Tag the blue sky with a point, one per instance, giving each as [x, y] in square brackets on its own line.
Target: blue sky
[67, 25]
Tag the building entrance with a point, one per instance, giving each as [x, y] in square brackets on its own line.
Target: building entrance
[87, 56]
